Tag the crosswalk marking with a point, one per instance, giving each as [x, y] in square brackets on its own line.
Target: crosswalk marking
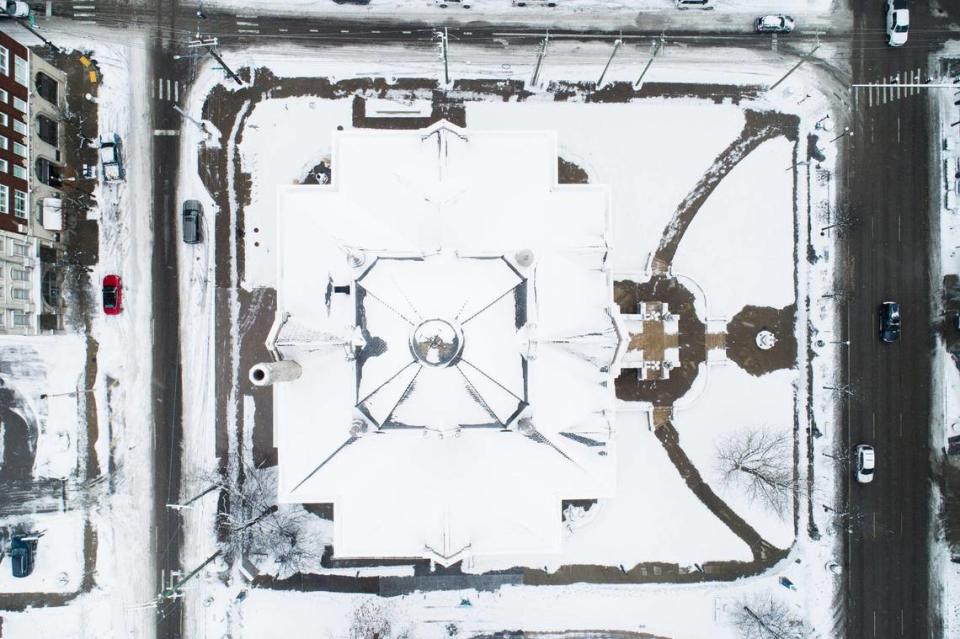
[892, 88]
[166, 89]
[248, 24]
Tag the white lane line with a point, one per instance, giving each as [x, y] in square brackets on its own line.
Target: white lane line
[169, 87]
[898, 130]
[176, 91]
[160, 88]
[166, 132]
[84, 15]
[898, 94]
[870, 96]
[247, 24]
[874, 623]
[246, 16]
[153, 91]
[314, 30]
[248, 31]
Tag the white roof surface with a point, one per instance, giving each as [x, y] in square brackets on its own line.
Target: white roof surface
[481, 387]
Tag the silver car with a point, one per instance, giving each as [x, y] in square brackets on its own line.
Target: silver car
[192, 215]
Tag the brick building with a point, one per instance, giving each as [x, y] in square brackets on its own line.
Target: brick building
[31, 108]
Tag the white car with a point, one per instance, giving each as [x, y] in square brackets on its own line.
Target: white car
[15, 9]
[775, 24]
[443, 4]
[865, 462]
[898, 22]
[111, 159]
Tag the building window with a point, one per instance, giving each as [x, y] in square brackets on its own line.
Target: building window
[47, 87]
[4, 121]
[19, 104]
[19, 149]
[4, 144]
[4, 96]
[18, 274]
[4, 167]
[19, 172]
[4, 61]
[5, 201]
[48, 173]
[20, 204]
[20, 70]
[46, 129]
[19, 127]
[21, 294]
[21, 319]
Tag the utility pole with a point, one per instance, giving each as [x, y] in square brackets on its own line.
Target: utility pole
[200, 125]
[657, 46]
[26, 25]
[174, 589]
[209, 45]
[794, 68]
[443, 51]
[540, 56]
[616, 46]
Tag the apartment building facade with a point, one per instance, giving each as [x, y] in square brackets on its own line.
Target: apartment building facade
[31, 214]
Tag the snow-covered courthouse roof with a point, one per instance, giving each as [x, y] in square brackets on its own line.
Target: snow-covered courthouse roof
[451, 312]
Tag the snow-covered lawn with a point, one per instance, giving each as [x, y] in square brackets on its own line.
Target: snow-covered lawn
[740, 247]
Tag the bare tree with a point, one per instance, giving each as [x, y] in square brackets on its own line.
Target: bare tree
[767, 618]
[759, 461]
[255, 525]
[375, 620]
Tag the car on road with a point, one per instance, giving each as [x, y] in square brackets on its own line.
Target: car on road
[111, 158]
[534, 3]
[443, 4]
[865, 463]
[112, 295]
[889, 322]
[15, 9]
[775, 24]
[897, 22]
[694, 4]
[192, 216]
[21, 555]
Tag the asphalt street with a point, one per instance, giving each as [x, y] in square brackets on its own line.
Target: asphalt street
[885, 175]
[167, 423]
[887, 253]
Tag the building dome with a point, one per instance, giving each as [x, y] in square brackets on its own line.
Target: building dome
[436, 342]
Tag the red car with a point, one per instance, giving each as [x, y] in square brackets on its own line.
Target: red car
[112, 295]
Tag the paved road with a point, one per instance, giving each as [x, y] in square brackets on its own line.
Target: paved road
[167, 425]
[887, 177]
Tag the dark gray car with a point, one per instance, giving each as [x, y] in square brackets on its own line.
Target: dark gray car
[192, 222]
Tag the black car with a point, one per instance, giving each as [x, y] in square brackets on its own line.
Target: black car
[889, 321]
[192, 222]
[21, 556]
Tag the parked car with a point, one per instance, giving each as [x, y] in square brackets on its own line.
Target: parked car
[21, 555]
[15, 9]
[889, 322]
[898, 22]
[111, 159]
[192, 216]
[534, 3]
[112, 295]
[694, 4]
[865, 463]
[775, 24]
[443, 4]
